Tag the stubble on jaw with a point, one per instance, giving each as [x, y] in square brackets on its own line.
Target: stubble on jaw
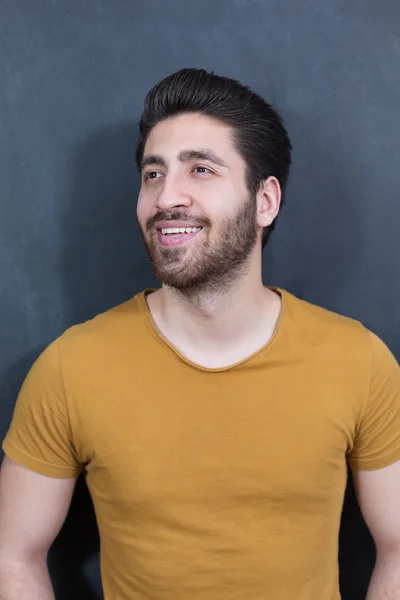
[212, 267]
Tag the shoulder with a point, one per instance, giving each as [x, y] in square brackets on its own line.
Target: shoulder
[333, 340]
[106, 332]
[320, 321]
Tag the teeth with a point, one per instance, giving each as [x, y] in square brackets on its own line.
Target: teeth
[180, 230]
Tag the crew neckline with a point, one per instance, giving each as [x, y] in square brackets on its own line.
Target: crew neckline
[160, 336]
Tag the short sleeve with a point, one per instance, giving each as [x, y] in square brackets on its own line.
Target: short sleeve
[39, 437]
[377, 442]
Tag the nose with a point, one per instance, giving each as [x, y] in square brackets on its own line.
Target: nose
[172, 193]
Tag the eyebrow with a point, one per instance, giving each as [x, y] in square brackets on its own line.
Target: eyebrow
[185, 156]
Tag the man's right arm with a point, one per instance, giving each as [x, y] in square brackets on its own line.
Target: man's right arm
[33, 508]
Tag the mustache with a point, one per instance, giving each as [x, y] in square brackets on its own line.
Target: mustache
[177, 215]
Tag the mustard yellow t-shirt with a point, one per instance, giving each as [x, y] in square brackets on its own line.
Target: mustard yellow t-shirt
[212, 484]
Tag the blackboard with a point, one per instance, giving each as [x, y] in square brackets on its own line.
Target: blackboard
[73, 79]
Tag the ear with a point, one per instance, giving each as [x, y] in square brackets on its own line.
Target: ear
[268, 201]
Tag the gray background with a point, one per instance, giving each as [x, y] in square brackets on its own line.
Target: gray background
[73, 78]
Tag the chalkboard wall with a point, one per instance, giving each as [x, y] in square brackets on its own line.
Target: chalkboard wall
[73, 79]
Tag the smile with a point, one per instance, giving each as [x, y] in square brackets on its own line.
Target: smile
[175, 230]
[176, 236]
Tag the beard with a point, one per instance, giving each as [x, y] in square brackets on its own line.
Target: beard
[209, 263]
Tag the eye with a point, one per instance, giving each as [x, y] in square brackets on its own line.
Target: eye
[203, 169]
[151, 175]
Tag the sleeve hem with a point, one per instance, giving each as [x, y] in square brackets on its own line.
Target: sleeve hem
[39, 466]
[379, 463]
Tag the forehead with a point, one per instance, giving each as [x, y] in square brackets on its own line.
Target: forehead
[188, 131]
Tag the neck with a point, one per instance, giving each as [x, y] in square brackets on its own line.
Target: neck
[215, 314]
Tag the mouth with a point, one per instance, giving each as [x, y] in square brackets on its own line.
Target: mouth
[177, 236]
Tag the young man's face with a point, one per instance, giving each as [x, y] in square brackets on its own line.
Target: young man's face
[193, 180]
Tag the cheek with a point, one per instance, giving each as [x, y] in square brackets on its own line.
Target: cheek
[142, 208]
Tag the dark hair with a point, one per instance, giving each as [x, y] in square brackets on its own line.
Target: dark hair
[259, 134]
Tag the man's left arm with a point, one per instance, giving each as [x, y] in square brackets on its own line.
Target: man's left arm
[378, 493]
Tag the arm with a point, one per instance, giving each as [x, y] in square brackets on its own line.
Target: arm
[378, 494]
[33, 508]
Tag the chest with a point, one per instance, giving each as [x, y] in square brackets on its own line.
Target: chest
[246, 438]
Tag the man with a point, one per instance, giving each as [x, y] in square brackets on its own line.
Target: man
[213, 417]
